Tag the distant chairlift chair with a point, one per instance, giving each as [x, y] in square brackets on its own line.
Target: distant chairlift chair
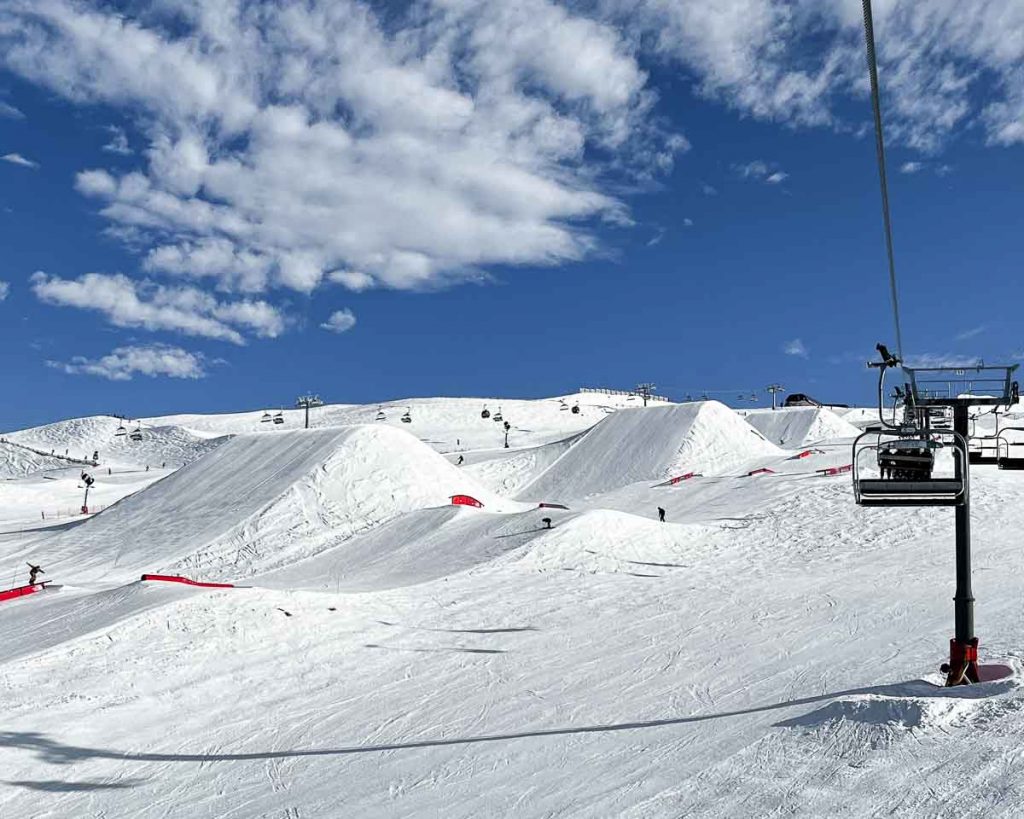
[121, 431]
[407, 418]
[1011, 453]
[497, 415]
[136, 434]
[266, 419]
[380, 414]
[279, 418]
[485, 413]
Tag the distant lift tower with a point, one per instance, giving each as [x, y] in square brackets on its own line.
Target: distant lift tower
[645, 391]
[774, 389]
[307, 401]
[905, 456]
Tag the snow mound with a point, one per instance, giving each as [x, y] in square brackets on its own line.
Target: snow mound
[81, 437]
[795, 427]
[508, 471]
[17, 462]
[259, 502]
[651, 444]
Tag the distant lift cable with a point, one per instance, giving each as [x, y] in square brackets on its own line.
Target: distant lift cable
[869, 38]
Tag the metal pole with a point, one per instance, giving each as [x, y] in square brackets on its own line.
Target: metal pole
[963, 600]
[306, 404]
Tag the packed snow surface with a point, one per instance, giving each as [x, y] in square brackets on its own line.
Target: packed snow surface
[770, 650]
[800, 426]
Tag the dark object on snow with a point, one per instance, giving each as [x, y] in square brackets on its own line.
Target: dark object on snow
[546, 522]
[32, 572]
[661, 514]
[286, 613]
[460, 461]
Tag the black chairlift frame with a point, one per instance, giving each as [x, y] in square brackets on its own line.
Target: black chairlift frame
[957, 388]
[962, 388]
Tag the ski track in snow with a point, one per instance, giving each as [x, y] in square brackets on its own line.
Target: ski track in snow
[771, 650]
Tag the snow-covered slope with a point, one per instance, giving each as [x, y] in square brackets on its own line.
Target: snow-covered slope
[795, 427]
[648, 445]
[258, 502]
[17, 462]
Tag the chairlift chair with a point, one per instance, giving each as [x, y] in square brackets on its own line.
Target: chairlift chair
[121, 431]
[563, 407]
[136, 434]
[485, 413]
[575, 409]
[1013, 458]
[905, 462]
[279, 418]
[266, 418]
[380, 414]
[497, 415]
[407, 418]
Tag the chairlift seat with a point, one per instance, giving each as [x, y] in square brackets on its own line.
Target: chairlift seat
[933, 492]
[980, 459]
[1011, 463]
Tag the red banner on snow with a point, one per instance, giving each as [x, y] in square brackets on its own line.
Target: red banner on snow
[465, 500]
[835, 470]
[174, 578]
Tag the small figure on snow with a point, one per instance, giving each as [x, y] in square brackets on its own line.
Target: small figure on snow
[661, 514]
[546, 522]
[33, 572]
[460, 461]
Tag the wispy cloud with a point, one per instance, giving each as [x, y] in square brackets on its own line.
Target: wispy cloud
[971, 333]
[123, 363]
[186, 310]
[656, 238]
[941, 360]
[5, 289]
[688, 222]
[118, 142]
[8, 111]
[18, 159]
[795, 347]
[340, 321]
[760, 171]
[708, 190]
[911, 167]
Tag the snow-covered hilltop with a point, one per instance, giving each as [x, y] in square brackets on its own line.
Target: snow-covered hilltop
[426, 622]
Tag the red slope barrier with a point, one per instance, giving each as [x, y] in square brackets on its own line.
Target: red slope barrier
[20, 591]
[465, 500]
[174, 578]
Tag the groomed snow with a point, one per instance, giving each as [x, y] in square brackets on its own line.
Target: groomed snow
[771, 650]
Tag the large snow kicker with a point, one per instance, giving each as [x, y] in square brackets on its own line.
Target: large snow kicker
[259, 502]
[651, 444]
[795, 427]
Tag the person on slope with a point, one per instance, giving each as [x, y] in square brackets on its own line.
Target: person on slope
[460, 461]
[661, 514]
[33, 571]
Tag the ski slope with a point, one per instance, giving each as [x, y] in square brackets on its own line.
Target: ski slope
[651, 444]
[766, 652]
[795, 427]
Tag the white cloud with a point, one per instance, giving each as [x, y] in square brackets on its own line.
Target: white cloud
[942, 360]
[290, 141]
[187, 310]
[5, 289]
[118, 142]
[971, 333]
[795, 347]
[688, 222]
[708, 190]
[124, 362]
[18, 159]
[340, 321]
[8, 111]
[760, 171]
[911, 167]
[656, 238]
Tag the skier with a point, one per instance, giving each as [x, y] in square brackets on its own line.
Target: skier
[661, 514]
[33, 571]
[546, 522]
[460, 461]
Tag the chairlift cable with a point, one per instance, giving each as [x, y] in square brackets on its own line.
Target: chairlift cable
[869, 39]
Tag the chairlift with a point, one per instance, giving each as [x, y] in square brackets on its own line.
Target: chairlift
[279, 418]
[563, 407]
[407, 418]
[904, 461]
[380, 414]
[136, 434]
[497, 415]
[485, 413]
[266, 418]
[1011, 460]
[575, 409]
[121, 431]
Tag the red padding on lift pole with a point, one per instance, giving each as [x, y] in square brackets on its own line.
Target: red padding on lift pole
[20, 591]
[764, 470]
[465, 500]
[174, 578]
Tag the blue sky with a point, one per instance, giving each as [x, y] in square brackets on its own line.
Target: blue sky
[512, 204]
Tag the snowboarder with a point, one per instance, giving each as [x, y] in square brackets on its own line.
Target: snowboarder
[33, 571]
[546, 522]
[460, 461]
[661, 514]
